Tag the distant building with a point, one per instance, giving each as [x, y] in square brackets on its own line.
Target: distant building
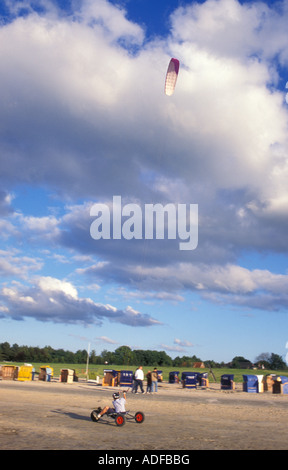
[199, 365]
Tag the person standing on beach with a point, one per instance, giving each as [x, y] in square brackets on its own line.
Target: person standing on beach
[154, 376]
[134, 386]
[139, 377]
[149, 382]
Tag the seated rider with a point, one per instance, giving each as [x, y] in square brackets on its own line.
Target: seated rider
[118, 405]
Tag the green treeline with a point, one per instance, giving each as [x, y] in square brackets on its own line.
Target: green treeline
[122, 355]
[125, 356]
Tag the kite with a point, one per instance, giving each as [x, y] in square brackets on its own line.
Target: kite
[171, 76]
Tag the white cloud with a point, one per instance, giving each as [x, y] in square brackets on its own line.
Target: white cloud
[116, 25]
[105, 339]
[39, 224]
[183, 343]
[223, 115]
[171, 348]
[92, 122]
[51, 285]
[57, 301]
[218, 278]
[15, 264]
[219, 27]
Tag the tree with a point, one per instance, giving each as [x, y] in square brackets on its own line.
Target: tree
[185, 361]
[263, 360]
[123, 355]
[276, 362]
[271, 361]
[93, 357]
[5, 351]
[107, 357]
[239, 362]
[81, 356]
[164, 359]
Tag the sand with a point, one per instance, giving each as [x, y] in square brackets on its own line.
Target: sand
[56, 416]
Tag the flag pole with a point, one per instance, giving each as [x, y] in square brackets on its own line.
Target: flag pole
[87, 365]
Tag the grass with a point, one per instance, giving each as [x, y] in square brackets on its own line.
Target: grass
[97, 370]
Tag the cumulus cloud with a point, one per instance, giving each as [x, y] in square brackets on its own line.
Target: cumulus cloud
[55, 300]
[144, 273]
[92, 122]
[218, 27]
[226, 126]
[95, 85]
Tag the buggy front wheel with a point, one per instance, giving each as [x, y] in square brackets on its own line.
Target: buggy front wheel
[120, 420]
[139, 417]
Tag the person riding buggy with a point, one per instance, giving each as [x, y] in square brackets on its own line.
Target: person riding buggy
[118, 405]
[118, 412]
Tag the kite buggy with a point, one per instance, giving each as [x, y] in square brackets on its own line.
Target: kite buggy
[118, 412]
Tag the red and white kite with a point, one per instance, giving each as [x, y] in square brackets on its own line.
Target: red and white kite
[171, 76]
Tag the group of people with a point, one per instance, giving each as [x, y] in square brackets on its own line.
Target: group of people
[152, 380]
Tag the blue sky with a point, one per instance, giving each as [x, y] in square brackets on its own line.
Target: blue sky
[84, 118]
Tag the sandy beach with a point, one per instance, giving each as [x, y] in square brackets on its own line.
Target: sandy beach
[56, 416]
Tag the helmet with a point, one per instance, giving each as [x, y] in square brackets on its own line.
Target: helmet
[116, 395]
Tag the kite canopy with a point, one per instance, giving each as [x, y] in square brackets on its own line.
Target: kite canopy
[171, 76]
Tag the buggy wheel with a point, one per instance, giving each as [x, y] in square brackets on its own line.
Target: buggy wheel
[139, 417]
[120, 420]
[94, 415]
